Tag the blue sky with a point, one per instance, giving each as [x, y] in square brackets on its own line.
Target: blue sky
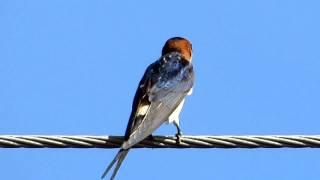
[72, 67]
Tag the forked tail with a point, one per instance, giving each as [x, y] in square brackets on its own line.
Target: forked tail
[118, 160]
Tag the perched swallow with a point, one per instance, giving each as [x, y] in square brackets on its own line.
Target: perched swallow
[159, 97]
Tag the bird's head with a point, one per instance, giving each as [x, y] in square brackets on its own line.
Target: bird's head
[180, 45]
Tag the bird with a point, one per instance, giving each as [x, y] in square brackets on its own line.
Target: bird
[159, 97]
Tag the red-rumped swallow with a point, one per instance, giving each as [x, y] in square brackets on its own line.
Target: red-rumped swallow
[159, 97]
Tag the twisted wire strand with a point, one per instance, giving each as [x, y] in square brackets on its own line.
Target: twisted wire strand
[83, 141]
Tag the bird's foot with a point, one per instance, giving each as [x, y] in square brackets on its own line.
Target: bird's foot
[150, 137]
[178, 136]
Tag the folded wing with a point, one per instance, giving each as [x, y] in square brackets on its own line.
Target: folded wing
[163, 93]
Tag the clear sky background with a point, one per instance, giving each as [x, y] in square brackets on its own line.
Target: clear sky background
[72, 67]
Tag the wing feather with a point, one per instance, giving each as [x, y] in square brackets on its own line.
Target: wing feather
[158, 113]
[158, 99]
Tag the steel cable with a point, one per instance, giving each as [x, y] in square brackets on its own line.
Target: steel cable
[83, 141]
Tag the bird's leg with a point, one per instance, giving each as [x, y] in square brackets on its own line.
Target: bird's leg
[179, 133]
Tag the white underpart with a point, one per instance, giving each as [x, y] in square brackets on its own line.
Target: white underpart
[190, 92]
[174, 117]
